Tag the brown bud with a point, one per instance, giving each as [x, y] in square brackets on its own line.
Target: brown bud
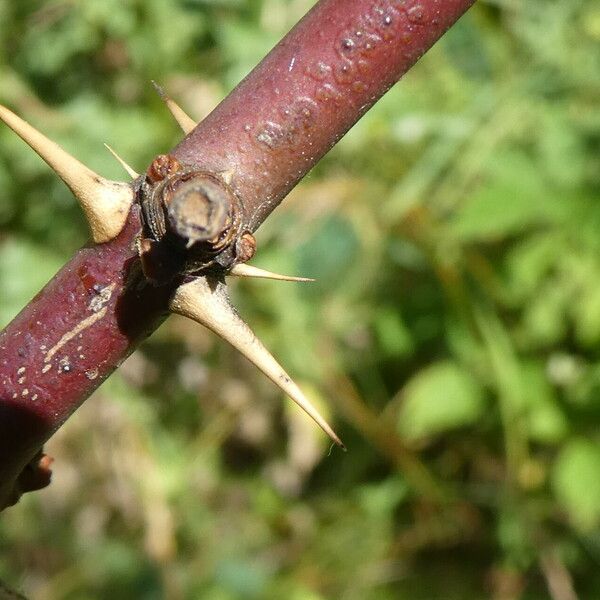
[245, 247]
[162, 167]
[37, 474]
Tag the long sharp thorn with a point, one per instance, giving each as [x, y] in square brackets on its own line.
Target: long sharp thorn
[245, 270]
[183, 119]
[105, 203]
[130, 170]
[205, 300]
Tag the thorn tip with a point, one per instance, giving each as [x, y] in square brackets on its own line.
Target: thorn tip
[246, 270]
[183, 119]
[130, 171]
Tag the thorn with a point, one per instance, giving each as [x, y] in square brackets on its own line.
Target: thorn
[205, 300]
[105, 203]
[185, 121]
[245, 270]
[129, 170]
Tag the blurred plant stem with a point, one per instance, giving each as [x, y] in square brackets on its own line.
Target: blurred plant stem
[558, 578]
[508, 385]
[383, 437]
[474, 310]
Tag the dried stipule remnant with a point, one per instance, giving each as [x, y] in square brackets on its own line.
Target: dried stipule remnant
[194, 216]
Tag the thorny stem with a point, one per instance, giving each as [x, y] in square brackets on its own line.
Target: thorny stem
[302, 98]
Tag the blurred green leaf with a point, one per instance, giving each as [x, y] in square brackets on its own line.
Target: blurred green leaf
[515, 539]
[546, 421]
[514, 200]
[439, 398]
[394, 336]
[328, 253]
[381, 500]
[242, 579]
[35, 266]
[576, 483]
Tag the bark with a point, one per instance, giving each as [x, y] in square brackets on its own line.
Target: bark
[302, 98]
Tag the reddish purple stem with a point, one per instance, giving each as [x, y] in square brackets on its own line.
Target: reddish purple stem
[312, 87]
[68, 339]
[304, 96]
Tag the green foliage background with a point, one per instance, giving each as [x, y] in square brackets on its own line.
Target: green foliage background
[454, 331]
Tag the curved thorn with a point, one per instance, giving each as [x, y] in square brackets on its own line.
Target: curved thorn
[246, 270]
[205, 300]
[105, 203]
[127, 168]
[183, 119]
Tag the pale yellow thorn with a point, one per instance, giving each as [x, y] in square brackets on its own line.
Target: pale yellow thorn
[246, 270]
[183, 119]
[105, 203]
[130, 170]
[205, 300]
